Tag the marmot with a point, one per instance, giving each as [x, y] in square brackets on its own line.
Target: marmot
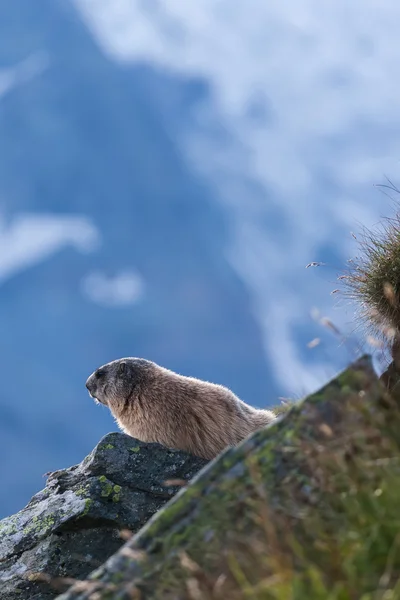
[154, 404]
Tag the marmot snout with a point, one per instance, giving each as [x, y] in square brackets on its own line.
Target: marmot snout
[154, 404]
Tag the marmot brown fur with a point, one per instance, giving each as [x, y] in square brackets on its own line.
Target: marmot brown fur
[154, 404]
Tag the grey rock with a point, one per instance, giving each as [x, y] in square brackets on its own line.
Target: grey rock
[74, 524]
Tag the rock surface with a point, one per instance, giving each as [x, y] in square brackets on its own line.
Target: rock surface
[74, 524]
[304, 482]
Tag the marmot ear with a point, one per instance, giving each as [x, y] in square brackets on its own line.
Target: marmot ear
[121, 368]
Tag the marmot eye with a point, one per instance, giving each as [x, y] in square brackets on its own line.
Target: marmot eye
[100, 374]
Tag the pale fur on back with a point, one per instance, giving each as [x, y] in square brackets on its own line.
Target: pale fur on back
[180, 412]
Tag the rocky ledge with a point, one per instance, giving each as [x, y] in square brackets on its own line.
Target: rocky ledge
[74, 524]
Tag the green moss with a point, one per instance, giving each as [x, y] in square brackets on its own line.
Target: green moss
[283, 408]
[108, 447]
[135, 449]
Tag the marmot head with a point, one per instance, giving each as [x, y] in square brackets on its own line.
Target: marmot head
[117, 381]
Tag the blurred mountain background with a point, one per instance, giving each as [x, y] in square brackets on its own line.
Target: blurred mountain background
[167, 170]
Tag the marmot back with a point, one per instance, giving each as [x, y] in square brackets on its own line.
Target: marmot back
[154, 404]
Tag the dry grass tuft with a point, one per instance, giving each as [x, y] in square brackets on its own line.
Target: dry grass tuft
[373, 278]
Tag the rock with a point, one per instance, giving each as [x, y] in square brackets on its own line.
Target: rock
[73, 525]
[307, 507]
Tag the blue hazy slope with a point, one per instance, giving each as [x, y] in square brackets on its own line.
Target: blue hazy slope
[87, 137]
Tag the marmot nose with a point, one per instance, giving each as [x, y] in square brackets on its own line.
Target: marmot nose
[91, 384]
